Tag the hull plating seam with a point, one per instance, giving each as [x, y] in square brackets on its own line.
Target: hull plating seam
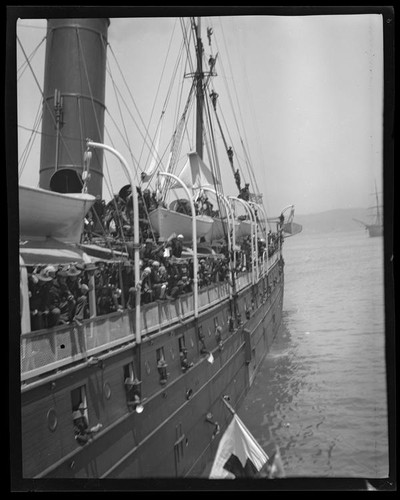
[210, 380]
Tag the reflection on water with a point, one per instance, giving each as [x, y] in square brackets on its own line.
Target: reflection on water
[320, 395]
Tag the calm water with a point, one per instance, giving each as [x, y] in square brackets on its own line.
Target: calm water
[321, 393]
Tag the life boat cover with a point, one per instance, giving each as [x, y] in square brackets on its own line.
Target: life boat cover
[48, 214]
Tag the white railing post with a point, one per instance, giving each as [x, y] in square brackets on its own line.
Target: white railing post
[135, 230]
[194, 238]
[252, 225]
[231, 244]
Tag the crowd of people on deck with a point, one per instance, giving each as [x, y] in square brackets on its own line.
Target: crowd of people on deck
[60, 294]
[115, 218]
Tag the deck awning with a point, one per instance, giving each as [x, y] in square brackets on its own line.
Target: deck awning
[50, 251]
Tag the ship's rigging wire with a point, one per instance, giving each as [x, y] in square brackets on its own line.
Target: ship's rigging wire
[228, 92]
[146, 135]
[218, 187]
[228, 89]
[39, 118]
[245, 148]
[46, 104]
[247, 155]
[214, 163]
[133, 101]
[83, 139]
[139, 128]
[157, 93]
[28, 148]
[24, 65]
[188, 62]
[181, 127]
[166, 101]
[125, 135]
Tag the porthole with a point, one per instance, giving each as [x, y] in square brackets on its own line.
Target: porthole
[52, 419]
[107, 390]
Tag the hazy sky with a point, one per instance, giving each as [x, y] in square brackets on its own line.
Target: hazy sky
[310, 89]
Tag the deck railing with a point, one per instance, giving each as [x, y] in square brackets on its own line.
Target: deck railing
[51, 349]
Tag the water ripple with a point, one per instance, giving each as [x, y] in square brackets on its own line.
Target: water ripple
[322, 390]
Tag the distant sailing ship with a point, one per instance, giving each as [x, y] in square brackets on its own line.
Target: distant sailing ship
[375, 227]
[134, 384]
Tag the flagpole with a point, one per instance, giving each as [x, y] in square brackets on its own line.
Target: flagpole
[225, 400]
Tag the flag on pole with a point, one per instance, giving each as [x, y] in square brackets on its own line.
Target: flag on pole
[239, 455]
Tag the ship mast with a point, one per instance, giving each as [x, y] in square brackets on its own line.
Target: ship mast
[199, 86]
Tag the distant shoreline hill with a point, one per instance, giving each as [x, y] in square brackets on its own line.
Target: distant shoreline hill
[337, 220]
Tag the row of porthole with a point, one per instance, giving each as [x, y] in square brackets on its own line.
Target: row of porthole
[172, 350]
[52, 420]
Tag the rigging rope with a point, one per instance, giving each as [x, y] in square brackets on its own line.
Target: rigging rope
[158, 90]
[217, 171]
[181, 127]
[126, 137]
[28, 148]
[25, 65]
[46, 104]
[248, 165]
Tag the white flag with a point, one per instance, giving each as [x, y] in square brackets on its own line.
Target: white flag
[238, 454]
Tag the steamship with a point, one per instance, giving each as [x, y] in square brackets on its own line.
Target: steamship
[150, 414]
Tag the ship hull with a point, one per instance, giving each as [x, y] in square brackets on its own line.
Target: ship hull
[172, 437]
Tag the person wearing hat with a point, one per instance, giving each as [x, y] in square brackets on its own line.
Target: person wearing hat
[185, 365]
[146, 286]
[177, 246]
[82, 305]
[44, 308]
[38, 283]
[203, 273]
[127, 279]
[176, 285]
[159, 251]
[105, 303]
[61, 298]
[146, 252]
[159, 287]
[81, 426]
[218, 335]
[73, 281]
[163, 274]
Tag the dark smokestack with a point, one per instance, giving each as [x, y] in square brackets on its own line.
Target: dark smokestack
[74, 92]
